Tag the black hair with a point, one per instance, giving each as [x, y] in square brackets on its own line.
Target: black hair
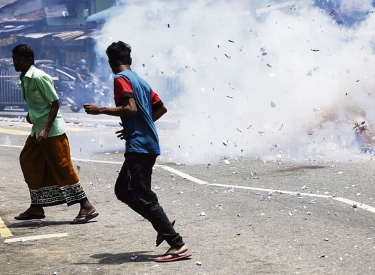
[119, 53]
[24, 50]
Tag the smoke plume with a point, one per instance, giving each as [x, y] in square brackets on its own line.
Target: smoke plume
[272, 79]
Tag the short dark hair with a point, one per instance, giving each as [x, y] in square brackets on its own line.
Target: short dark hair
[24, 50]
[119, 53]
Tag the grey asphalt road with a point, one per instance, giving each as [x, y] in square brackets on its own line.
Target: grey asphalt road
[315, 217]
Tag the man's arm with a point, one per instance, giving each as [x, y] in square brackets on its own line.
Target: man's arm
[159, 112]
[51, 118]
[128, 108]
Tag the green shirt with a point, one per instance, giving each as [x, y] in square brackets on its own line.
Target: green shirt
[39, 93]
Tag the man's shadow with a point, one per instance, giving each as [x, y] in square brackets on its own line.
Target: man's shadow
[126, 257]
[42, 223]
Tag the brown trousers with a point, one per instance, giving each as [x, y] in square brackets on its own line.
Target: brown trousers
[49, 172]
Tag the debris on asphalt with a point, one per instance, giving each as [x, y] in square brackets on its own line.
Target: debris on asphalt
[134, 257]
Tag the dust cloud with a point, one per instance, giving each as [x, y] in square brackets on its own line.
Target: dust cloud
[269, 79]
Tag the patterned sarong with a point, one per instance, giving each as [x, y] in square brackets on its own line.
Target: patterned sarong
[49, 172]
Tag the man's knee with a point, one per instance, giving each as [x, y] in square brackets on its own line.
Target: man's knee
[121, 191]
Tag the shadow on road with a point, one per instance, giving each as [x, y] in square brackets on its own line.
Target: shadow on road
[120, 258]
[37, 223]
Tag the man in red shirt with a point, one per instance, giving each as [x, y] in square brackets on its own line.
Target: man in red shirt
[139, 106]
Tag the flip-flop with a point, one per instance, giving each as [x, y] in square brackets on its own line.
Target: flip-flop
[160, 237]
[175, 257]
[29, 216]
[86, 216]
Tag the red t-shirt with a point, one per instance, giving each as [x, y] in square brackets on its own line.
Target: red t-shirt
[123, 88]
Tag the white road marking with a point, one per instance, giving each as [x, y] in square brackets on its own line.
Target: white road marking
[97, 161]
[11, 146]
[340, 199]
[186, 176]
[4, 230]
[198, 181]
[356, 204]
[33, 238]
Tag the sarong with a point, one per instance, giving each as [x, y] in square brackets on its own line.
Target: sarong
[49, 173]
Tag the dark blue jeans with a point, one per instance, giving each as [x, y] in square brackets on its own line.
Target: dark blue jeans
[133, 187]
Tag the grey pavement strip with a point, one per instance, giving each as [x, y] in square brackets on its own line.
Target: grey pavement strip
[193, 179]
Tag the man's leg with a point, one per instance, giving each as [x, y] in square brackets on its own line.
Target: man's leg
[140, 167]
[123, 191]
[31, 161]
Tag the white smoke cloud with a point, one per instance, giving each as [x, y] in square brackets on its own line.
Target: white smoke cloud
[287, 83]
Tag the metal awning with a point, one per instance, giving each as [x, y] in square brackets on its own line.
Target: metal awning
[104, 15]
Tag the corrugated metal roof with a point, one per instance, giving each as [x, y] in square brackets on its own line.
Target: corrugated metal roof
[35, 35]
[93, 35]
[3, 3]
[68, 35]
[22, 11]
[64, 36]
[8, 29]
[30, 7]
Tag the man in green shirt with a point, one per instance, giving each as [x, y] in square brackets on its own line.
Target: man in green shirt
[45, 159]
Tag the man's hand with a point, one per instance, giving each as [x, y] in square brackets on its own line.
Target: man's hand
[28, 118]
[42, 136]
[121, 134]
[92, 109]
